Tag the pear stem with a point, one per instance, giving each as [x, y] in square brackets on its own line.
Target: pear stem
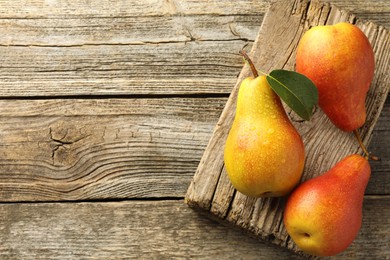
[367, 154]
[253, 68]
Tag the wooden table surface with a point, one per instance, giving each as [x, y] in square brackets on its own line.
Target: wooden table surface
[106, 108]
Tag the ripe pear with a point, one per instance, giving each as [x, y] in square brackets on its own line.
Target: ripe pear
[264, 154]
[323, 215]
[340, 61]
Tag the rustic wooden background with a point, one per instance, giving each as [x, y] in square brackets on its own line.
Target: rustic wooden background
[106, 109]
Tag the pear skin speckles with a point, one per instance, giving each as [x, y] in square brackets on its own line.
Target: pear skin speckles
[328, 208]
[264, 154]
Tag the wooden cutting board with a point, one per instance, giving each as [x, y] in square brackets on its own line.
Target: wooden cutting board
[274, 48]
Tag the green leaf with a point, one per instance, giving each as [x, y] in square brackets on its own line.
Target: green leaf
[296, 90]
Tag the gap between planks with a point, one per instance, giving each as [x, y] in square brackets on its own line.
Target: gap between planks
[120, 96]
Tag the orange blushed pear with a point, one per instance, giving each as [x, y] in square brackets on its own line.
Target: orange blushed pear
[323, 215]
[340, 61]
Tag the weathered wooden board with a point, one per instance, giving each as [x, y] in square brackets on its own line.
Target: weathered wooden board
[150, 230]
[124, 48]
[162, 69]
[95, 149]
[274, 48]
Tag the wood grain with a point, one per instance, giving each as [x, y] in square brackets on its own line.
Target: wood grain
[130, 48]
[119, 148]
[153, 47]
[174, 68]
[152, 229]
[78, 79]
[109, 148]
[283, 25]
[39, 9]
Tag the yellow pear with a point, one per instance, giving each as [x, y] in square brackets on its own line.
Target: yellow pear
[264, 154]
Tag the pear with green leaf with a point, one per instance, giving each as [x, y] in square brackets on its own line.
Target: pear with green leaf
[264, 154]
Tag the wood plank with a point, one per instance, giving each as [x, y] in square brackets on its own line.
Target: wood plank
[283, 25]
[154, 229]
[376, 11]
[380, 145]
[115, 49]
[175, 68]
[70, 149]
[127, 30]
[123, 48]
[109, 148]
[39, 9]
